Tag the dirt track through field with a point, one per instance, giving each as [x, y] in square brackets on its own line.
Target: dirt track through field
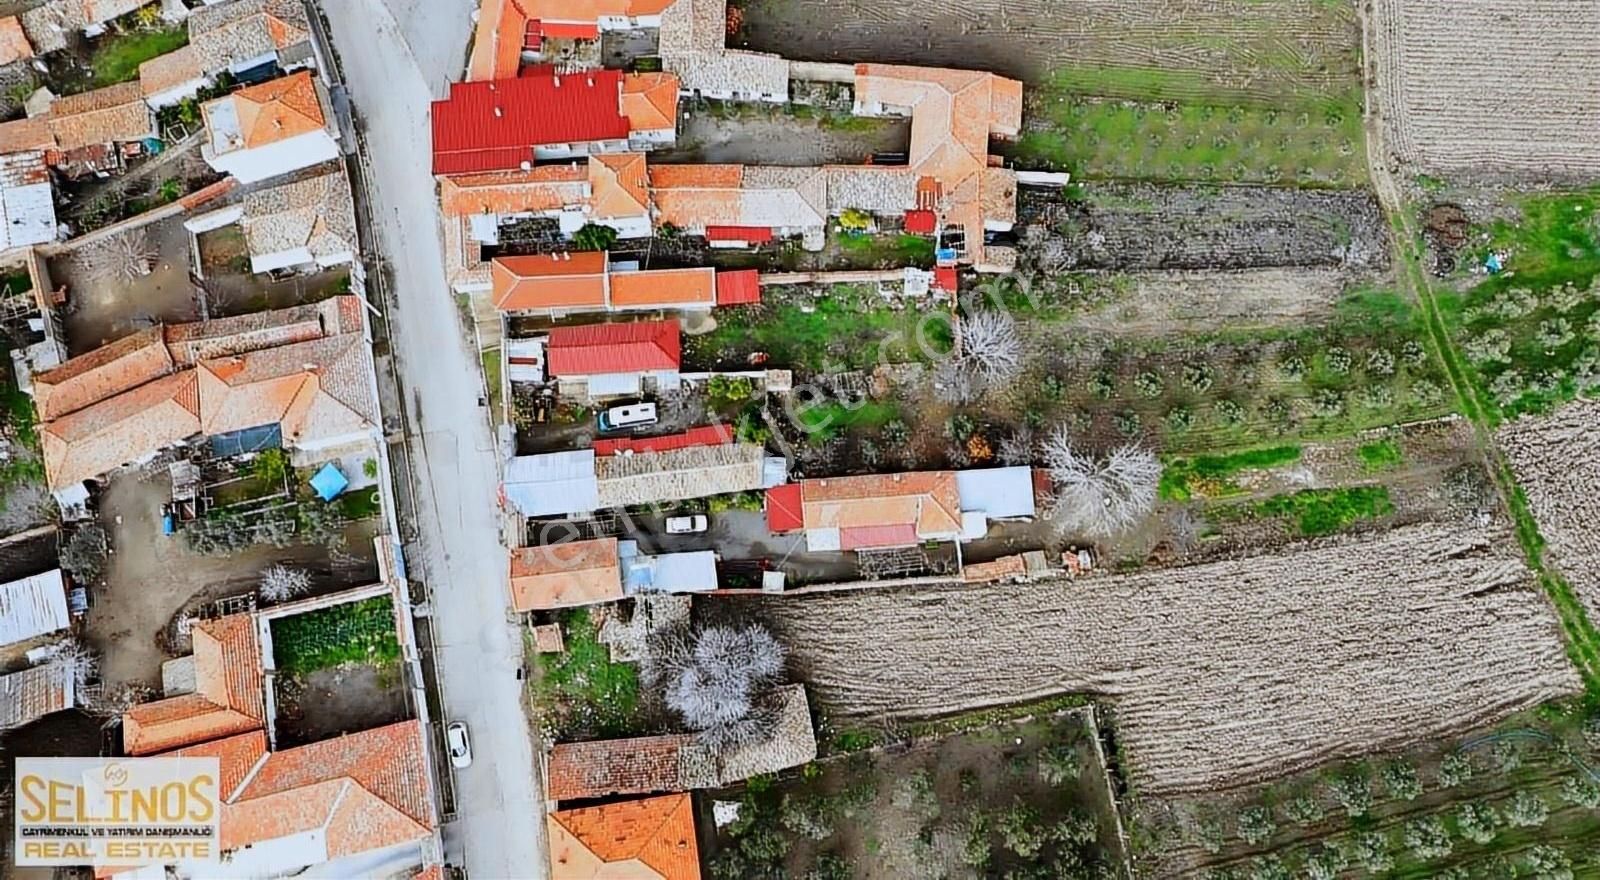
[1490, 90]
[1177, 48]
[1222, 674]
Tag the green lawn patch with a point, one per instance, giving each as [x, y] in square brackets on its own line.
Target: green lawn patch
[358, 632]
[847, 327]
[1207, 475]
[830, 418]
[581, 693]
[492, 367]
[1327, 511]
[358, 504]
[1381, 455]
[117, 57]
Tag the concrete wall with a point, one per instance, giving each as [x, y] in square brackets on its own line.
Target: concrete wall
[250, 166]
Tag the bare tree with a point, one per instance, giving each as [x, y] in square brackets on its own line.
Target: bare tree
[992, 345]
[124, 257]
[719, 680]
[80, 661]
[281, 583]
[1100, 497]
[1017, 448]
[955, 382]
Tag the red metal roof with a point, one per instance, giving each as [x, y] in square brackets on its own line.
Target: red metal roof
[944, 278]
[752, 234]
[921, 222]
[865, 537]
[570, 30]
[739, 287]
[494, 125]
[784, 509]
[707, 435]
[593, 349]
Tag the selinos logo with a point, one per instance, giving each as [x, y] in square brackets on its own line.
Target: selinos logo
[117, 811]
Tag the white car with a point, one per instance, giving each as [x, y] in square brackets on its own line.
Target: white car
[455, 736]
[687, 525]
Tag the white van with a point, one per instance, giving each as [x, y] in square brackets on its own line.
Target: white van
[630, 415]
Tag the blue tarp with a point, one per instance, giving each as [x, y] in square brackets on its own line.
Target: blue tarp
[329, 482]
[248, 440]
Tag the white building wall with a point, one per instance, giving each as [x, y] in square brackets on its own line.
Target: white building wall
[177, 94]
[251, 166]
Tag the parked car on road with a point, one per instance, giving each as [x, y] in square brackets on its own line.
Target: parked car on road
[455, 736]
[687, 525]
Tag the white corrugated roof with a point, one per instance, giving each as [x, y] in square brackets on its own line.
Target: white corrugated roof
[997, 493]
[27, 205]
[32, 607]
[553, 484]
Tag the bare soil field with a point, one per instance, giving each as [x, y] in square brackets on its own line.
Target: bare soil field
[1471, 87]
[1140, 226]
[1554, 460]
[1163, 49]
[1221, 675]
[1163, 303]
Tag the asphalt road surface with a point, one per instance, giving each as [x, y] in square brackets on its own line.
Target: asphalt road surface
[397, 56]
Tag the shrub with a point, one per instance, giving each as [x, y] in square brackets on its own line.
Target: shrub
[1400, 778]
[1455, 769]
[1581, 792]
[1327, 402]
[1427, 838]
[1075, 829]
[1325, 864]
[1371, 850]
[84, 555]
[975, 852]
[1352, 792]
[594, 237]
[1426, 393]
[1507, 756]
[1477, 822]
[1230, 411]
[1102, 384]
[1180, 419]
[895, 431]
[959, 427]
[1209, 834]
[1377, 396]
[1255, 824]
[829, 866]
[1526, 809]
[1058, 765]
[271, 466]
[1380, 362]
[1021, 832]
[806, 816]
[1268, 867]
[725, 392]
[370, 468]
[1303, 809]
[1548, 863]
[1292, 365]
[1197, 377]
[1148, 384]
[1414, 354]
[1338, 360]
[1126, 423]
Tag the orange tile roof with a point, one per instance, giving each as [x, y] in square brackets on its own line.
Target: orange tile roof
[542, 188]
[236, 757]
[228, 698]
[315, 389]
[696, 176]
[664, 288]
[604, 767]
[644, 839]
[650, 101]
[102, 116]
[169, 71]
[386, 761]
[618, 185]
[120, 429]
[227, 664]
[565, 575]
[497, 41]
[277, 110]
[14, 45]
[927, 500]
[546, 281]
[350, 818]
[179, 721]
[105, 372]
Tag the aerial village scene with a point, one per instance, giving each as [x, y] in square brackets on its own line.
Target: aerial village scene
[813, 439]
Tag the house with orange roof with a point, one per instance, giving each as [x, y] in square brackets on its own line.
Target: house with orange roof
[643, 839]
[269, 129]
[301, 374]
[587, 281]
[228, 700]
[650, 101]
[511, 33]
[172, 78]
[879, 511]
[112, 115]
[576, 573]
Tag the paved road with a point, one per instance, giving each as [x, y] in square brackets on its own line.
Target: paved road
[499, 834]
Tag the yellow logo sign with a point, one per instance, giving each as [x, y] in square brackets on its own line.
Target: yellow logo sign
[117, 811]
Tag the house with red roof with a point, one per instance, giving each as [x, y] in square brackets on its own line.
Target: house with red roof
[593, 361]
[510, 124]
